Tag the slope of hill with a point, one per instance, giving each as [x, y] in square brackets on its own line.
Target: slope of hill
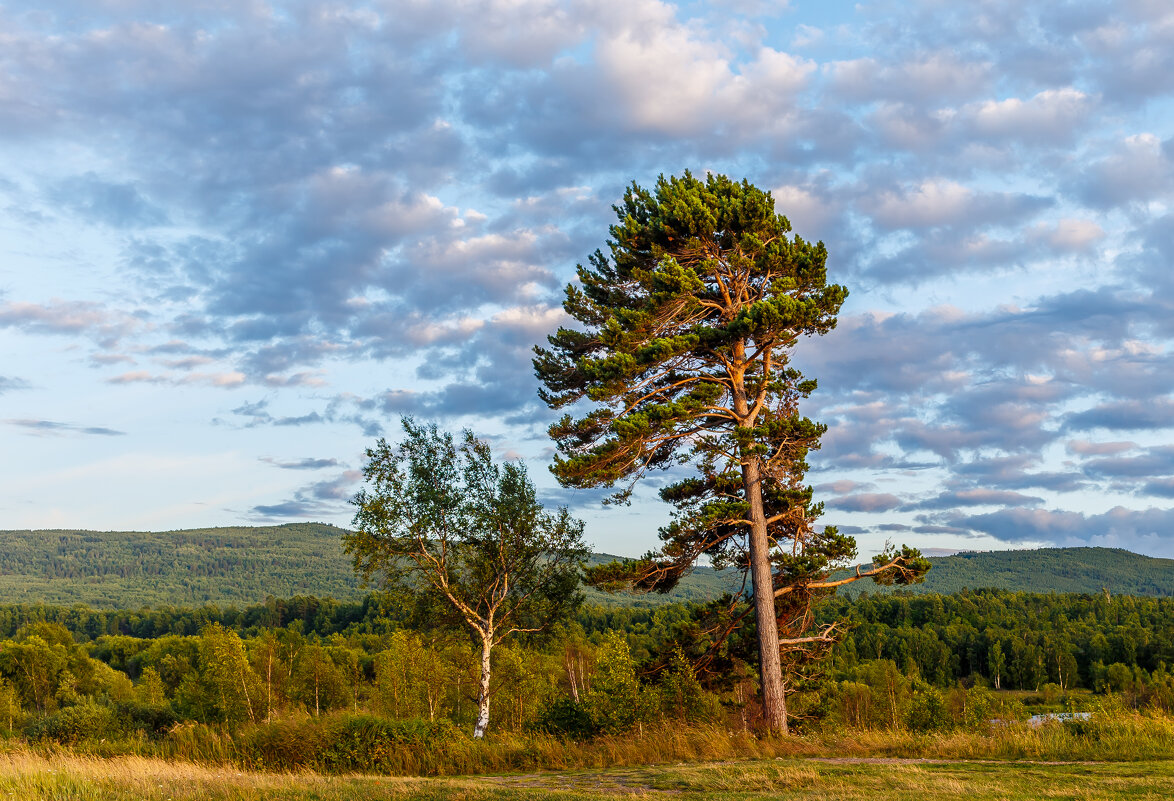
[219, 566]
[243, 565]
[1081, 570]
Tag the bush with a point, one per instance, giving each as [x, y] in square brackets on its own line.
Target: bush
[369, 743]
[617, 702]
[566, 718]
[154, 720]
[285, 744]
[73, 724]
[348, 742]
[928, 711]
[974, 709]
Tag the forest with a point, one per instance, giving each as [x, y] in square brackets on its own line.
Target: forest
[306, 682]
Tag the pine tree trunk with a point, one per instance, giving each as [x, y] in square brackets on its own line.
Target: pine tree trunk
[483, 694]
[774, 699]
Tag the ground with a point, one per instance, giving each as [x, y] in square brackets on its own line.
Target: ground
[32, 777]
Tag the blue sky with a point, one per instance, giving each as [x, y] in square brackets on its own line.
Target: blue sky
[239, 239]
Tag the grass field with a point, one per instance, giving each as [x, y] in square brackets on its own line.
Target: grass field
[31, 777]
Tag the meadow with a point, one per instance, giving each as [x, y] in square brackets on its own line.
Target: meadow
[1132, 762]
[926, 696]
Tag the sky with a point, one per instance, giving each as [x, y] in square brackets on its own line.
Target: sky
[239, 239]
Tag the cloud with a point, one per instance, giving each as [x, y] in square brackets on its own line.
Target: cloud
[54, 428]
[227, 380]
[977, 497]
[1086, 448]
[1131, 415]
[307, 463]
[1159, 487]
[256, 414]
[11, 383]
[1051, 116]
[121, 205]
[1145, 531]
[865, 502]
[842, 486]
[363, 212]
[1154, 461]
[939, 201]
[928, 77]
[1137, 170]
[325, 497]
[69, 318]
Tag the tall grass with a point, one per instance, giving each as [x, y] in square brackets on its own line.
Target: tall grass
[342, 744]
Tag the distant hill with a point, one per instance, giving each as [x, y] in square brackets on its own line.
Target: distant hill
[1081, 570]
[243, 565]
[218, 566]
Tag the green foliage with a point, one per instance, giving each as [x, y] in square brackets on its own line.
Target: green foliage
[39, 671]
[928, 711]
[682, 356]
[447, 528]
[682, 697]
[316, 682]
[151, 719]
[115, 573]
[683, 347]
[617, 701]
[74, 724]
[566, 718]
[441, 519]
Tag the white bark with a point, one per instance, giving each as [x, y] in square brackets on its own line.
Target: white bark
[483, 695]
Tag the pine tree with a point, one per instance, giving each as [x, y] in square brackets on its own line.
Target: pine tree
[682, 356]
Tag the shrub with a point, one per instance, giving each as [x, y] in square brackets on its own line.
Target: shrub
[617, 702]
[367, 742]
[73, 724]
[347, 742]
[565, 718]
[154, 720]
[928, 711]
[682, 696]
[290, 744]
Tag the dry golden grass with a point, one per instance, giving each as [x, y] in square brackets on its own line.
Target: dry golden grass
[25, 775]
[32, 776]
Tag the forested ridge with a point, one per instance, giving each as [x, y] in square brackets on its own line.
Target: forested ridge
[1061, 570]
[245, 564]
[220, 566]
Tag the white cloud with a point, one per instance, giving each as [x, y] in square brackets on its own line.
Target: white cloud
[671, 78]
[934, 76]
[933, 202]
[1052, 115]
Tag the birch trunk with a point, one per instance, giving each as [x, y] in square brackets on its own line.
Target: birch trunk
[483, 694]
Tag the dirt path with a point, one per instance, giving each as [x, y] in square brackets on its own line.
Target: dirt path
[931, 761]
[642, 780]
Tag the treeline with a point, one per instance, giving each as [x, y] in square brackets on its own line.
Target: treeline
[1007, 639]
[1011, 640]
[311, 682]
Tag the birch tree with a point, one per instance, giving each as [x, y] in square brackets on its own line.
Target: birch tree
[443, 519]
